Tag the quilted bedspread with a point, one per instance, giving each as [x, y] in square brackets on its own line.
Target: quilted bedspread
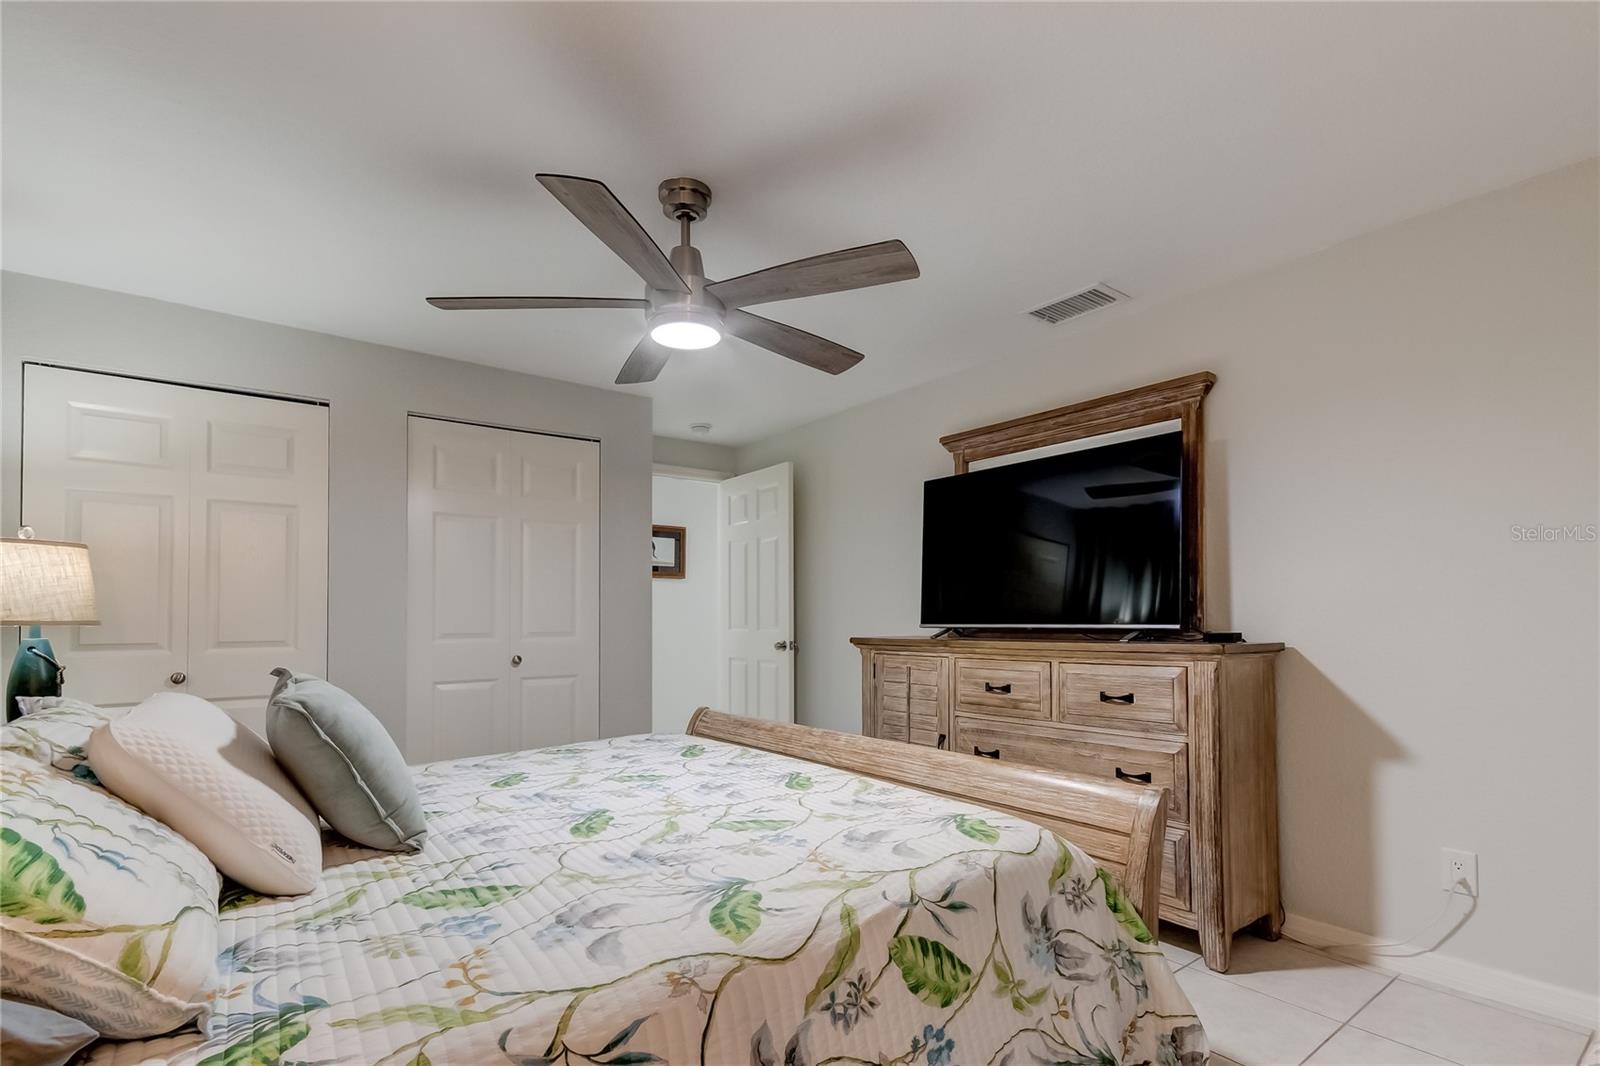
[665, 899]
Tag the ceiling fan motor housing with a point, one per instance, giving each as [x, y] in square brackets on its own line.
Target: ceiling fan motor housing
[696, 305]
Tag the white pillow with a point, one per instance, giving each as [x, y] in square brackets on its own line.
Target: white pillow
[186, 762]
[109, 916]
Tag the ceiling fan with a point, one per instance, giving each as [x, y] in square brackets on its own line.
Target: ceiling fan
[685, 311]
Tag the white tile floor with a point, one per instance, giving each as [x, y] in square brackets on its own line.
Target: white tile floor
[1283, 1003]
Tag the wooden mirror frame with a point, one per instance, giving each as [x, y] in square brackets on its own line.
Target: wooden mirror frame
[1164, 401]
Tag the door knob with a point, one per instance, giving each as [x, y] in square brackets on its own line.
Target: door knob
[786, 645]
[178, 677]
[516, 660]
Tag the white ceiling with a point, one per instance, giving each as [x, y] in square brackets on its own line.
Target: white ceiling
[328, 166]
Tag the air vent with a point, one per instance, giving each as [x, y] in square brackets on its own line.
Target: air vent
[1079, 303]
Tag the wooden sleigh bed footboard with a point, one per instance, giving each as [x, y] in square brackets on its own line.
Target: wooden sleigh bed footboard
[1121, 825]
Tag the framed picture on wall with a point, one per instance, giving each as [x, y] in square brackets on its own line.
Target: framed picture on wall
[666, 551]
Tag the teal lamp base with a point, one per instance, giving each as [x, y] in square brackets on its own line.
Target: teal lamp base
[34, 672]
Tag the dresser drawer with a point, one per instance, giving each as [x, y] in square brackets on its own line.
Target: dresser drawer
[1124, 696]
[1163, 763]
[1000, 686]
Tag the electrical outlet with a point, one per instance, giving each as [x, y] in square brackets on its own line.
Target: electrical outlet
[1456, 867]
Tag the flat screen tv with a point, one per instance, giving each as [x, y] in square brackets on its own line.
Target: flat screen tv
[1088, 539]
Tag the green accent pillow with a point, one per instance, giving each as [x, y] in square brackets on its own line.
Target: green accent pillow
[345, 762]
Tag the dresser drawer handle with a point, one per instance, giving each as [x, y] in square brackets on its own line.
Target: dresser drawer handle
[1106, 697]
[995, 754]
[1004, 690]
[1138, 779]
[940, 744]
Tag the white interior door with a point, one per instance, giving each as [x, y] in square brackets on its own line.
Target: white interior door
[504, 600]
[206, 518]
[755, 546]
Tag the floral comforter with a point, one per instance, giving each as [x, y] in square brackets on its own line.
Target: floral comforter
[662, 899]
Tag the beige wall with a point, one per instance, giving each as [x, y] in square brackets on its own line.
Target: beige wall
[370, 390]
[1386, 411]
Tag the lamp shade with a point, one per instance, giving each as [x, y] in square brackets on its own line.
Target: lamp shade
[46, 583]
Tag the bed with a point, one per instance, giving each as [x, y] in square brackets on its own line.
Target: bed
[717, 898]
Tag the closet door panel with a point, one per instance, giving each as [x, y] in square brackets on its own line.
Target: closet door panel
[133, 561]
[504, 590]
[461, 578]
[106, 462]
[257, 547]
[467, 717]
[557, 633]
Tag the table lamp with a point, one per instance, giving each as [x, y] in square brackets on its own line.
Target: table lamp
[42, 583]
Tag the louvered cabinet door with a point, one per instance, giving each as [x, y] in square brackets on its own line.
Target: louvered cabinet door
[911, 695]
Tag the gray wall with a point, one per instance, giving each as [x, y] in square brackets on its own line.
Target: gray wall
[684, 643]
[370, 390]
[699, 454]
[1386, 412]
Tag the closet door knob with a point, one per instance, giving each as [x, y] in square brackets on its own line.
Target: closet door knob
[782, 645]
[178, 677]
[516, 660]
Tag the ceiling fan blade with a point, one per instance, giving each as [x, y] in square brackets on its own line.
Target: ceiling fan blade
[852, 268]
[599, 209]
[517, 303]
[644, 364]
[791, 343]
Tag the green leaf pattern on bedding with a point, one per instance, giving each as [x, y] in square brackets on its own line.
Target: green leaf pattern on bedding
[33, 885]
[843, 955]
[932, 972]
[471, 897]
[591, 824]
[651, 900]
[737, 913]
[977, 829]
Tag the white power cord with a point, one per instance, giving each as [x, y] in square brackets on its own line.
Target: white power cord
[1462, 887]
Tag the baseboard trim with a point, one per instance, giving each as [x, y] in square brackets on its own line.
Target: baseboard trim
[1451, 974]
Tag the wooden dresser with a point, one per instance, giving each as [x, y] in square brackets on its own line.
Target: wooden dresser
[1194, 718]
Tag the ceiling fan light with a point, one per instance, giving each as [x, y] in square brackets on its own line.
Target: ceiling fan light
[685, 334]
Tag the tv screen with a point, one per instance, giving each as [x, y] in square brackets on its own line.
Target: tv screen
[1090, 538]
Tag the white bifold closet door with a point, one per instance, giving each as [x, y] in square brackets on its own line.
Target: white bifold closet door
[504, 590]
[206, 517]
